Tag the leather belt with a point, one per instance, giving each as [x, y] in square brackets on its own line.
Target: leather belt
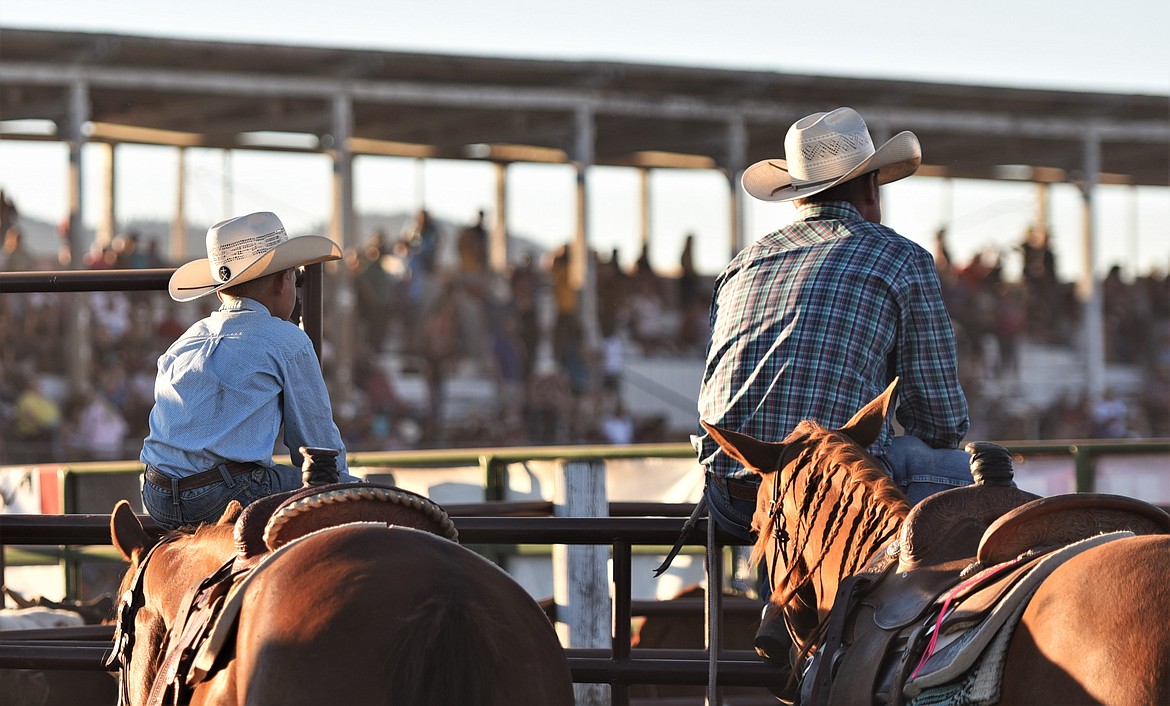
[200, 479]
[735, 487]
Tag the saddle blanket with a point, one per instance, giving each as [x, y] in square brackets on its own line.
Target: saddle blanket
[969, 671]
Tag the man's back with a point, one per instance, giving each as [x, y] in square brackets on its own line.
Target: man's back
[815, 319]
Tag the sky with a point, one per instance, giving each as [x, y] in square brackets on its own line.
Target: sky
[1072, 45]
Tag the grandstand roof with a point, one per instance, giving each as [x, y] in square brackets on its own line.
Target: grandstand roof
[221, 94]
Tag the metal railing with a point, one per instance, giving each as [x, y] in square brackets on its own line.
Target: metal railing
[629, 525]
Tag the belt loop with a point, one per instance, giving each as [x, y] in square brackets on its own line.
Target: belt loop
[175, 495]
[227, 476]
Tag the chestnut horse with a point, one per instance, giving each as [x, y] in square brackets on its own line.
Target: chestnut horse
[360, 614]
[1095, 631]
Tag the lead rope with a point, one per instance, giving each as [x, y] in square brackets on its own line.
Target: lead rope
[688, 527]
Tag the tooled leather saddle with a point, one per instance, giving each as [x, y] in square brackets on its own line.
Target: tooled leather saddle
[204, 630]
[964, 565]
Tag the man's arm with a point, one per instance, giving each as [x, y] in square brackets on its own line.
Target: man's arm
[931, 404]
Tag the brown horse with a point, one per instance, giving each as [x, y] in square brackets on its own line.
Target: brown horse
[359, 614]
[1094, 631]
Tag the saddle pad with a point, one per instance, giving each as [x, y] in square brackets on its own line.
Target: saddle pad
[983, 684]
[952, 661]
[973, 605]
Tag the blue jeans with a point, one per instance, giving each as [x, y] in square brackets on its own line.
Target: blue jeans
[921, 471]
[206, 504]
[731, 514]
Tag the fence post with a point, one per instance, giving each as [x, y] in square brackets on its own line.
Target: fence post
[580, 572]
[1086, 468]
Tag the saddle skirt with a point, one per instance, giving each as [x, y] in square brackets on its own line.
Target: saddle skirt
[964, 566]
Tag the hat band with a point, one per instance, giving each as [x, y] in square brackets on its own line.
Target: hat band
[826, 158]
[243, 249]
[797, 186]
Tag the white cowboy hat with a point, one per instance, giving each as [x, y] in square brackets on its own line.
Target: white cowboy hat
[826, 149]
[247, 248]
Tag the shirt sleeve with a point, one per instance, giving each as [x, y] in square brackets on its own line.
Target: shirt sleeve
[931, 404]
[308, 415]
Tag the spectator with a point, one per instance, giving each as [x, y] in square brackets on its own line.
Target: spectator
[13, 256]
[1110, 417]
[97, 430]
[376, 290]
[37, 422]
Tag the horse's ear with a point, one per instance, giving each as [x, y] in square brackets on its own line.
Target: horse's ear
[231, 513]
[126, 532]
[755, 455]
[867, 424]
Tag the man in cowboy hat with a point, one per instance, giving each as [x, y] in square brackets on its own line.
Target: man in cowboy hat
[229, 384]
[815, 319]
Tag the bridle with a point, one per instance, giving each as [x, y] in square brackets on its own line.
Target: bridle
[781, 540]
[132, 600]
[780, 534]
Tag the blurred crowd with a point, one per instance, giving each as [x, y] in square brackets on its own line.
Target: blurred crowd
[995, 317]
[432, 319]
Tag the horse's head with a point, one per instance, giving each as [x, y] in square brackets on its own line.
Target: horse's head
[823, 507]
[160, 574]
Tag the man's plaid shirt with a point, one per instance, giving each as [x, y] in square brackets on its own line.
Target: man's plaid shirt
[814, 320]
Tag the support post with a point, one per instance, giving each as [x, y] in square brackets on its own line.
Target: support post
[644, 205]
[737, 142]
[498, 235]
[77, 338]
[178, 249]
[342, 233]
[1089, 288]
[581, 274]
[580, 572]
[108, 228]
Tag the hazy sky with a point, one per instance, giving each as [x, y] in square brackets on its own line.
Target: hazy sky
[1073, 45]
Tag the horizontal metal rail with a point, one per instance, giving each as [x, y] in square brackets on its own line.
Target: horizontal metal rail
[650, 666]
[620, 667]
[22, 529]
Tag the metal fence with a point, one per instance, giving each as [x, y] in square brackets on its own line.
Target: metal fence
[627, 526]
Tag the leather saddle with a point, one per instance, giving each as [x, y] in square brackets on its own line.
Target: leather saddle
[273, 521]
[206, 626]
[984, 539]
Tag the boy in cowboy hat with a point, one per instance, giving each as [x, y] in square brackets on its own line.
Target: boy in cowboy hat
[227, 386]
[815, 319]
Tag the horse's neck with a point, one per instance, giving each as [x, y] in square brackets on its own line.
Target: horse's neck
[184, 564]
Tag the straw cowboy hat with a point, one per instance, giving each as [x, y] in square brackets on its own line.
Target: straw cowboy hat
[246, 248]
[826, 149]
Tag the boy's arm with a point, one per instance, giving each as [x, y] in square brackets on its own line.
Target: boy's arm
[308, 415]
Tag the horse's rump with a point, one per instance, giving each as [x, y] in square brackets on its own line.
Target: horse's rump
[1096, 630]
[401, 612]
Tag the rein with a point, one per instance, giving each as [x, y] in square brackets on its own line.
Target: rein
[132, 600]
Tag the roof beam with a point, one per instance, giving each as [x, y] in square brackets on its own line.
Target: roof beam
[511, 98]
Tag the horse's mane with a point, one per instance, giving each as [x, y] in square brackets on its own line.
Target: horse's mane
[830, 460]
